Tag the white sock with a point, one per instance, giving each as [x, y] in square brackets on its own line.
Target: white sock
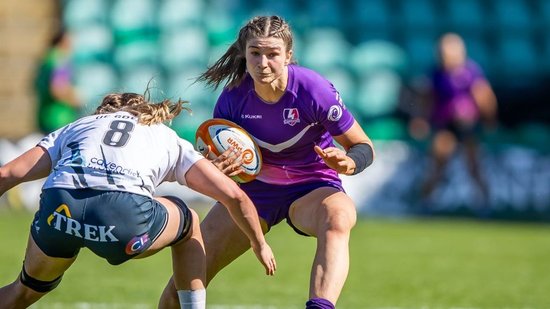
[192, 299]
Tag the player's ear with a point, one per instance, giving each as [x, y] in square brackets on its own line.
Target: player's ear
[288, 56]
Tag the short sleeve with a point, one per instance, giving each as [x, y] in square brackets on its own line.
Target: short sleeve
[332, 113]
[53, 144]
[475, 70]
[221, 110]
[186, 157]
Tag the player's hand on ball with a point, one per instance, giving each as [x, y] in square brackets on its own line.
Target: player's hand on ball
[229, 162]
[336, 159]
[266, 257]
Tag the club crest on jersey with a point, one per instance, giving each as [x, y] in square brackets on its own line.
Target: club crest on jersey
[291, 116]
[334, 113]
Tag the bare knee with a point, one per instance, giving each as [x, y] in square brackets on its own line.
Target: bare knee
[340, 219]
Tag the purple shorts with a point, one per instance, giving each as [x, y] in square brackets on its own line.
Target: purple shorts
[273, 201]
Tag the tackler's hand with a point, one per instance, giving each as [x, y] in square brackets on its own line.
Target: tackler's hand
[266, 257]
[229, 162]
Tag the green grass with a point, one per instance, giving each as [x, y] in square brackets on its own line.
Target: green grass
[394, 264]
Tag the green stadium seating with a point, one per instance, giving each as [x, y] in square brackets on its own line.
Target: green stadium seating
[324, 48]
[378, 93]
[183, 47]
[92, 43]
[94, 80]
[374, 55]
[512, 16]
[78, 14]
[136, 53]
[177, 14]
[367, 48]
[418, 14]
[465, 15]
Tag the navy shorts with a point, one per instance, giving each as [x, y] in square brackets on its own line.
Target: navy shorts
[114, 225]
[273, 201]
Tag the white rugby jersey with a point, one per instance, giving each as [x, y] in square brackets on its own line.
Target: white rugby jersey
[114, 152]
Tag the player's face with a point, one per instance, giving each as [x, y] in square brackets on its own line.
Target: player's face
[266, 59]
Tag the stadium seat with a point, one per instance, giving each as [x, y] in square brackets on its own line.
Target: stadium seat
[92, 43]
[181, 84]
[93, 81]
[344, 82]
[369, 20]
[465, 15]
[289, 10]
[385, 128]
[137, 79]
[418, 14]
[513, 16]
[378, 94]
[327, 13]
[421, 51]
[222, 28]
[543, 9]
[177, 13]
[324, 48]
[133, 20]
[136, 53]
[78, 14]
[518, 57]
[186, 46]
[186, 124]
[374, 55]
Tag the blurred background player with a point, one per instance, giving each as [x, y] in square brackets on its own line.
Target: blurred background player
[103, 172]
[57, 98]
[462, 100]
[294, 114]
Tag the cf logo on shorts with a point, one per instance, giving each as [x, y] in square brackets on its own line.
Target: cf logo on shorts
[137, 244]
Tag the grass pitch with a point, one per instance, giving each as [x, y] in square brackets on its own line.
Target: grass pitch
[413, 264]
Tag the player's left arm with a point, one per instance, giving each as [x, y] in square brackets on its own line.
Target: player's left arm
[31, 165]
[358, 151]
[485, 99]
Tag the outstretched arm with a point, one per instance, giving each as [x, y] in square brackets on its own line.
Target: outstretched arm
[486, 100]
[31, 165]
[205, 178]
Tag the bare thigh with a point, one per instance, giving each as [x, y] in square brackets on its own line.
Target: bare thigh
[42, 267]
[321, 209]
[170, 232]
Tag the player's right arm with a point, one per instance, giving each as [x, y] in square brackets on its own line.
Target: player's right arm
[31, 165]
[205, 178]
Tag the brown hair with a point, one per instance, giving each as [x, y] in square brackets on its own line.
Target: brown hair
[232, 65]
[138, 105]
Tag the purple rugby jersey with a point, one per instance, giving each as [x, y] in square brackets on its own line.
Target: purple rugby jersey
[453, 97]
[307, 114]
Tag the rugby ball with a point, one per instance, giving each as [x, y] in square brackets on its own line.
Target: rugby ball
[220, 134]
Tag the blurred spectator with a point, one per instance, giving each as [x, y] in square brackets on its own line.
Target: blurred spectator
[461, 103]
[58, 103]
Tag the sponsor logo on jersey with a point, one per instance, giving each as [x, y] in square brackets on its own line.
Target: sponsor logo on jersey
[137, 244]
[291, 116]
[334, 113]
[248, 116]
[111, 167]
[339, 99]
[61, 220]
